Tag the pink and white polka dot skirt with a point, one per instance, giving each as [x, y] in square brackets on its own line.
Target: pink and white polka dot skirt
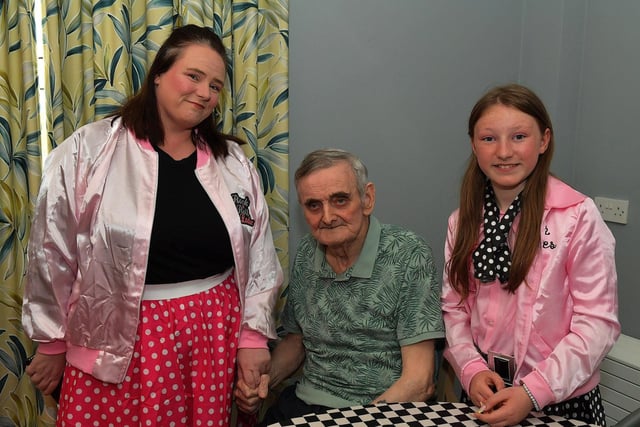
[181, 373]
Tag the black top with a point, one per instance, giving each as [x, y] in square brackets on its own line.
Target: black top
[189, 239]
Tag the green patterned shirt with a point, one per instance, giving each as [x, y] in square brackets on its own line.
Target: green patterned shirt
[353, 324]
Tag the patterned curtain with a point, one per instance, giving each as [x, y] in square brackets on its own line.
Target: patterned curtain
[96, 54]
[20, 167]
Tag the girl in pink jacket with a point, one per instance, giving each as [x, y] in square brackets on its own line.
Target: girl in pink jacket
[529, 290]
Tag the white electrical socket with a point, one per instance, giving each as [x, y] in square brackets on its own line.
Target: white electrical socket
[613, 210]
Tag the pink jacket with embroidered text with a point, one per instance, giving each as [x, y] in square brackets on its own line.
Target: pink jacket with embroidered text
[90, 241]
[561, 322]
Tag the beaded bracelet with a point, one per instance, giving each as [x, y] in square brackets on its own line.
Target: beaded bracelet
[533, 399]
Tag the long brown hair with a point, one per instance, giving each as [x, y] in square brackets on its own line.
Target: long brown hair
[140, 112]
[527, 240]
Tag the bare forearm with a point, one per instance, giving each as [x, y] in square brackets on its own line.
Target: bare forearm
[416, 383]
[408, 390]
[286, 359]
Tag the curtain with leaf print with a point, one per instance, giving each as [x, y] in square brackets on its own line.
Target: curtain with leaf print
[20, 167]
[96, 54]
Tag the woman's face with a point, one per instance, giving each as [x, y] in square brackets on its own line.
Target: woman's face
[507, 144]
[189, 90]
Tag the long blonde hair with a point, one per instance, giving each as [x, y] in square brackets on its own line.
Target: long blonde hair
[527, 240]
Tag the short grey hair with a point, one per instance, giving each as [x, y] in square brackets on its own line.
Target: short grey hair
[328, 157]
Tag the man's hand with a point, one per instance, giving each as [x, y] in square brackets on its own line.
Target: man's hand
[45, 371]
[249, 399]
[483, 385]
[507, 407]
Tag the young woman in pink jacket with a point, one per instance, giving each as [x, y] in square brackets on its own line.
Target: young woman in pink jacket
[152, 268]
[529, 290]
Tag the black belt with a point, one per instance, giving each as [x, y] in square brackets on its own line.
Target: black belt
[502, 365]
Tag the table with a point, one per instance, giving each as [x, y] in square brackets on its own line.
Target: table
[414, 414]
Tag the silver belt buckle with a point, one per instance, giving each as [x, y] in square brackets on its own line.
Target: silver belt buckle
[503, 365]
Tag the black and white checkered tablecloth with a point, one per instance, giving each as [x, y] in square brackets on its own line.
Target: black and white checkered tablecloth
[413, 414]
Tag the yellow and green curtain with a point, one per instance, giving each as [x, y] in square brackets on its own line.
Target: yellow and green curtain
[96, 53]
[20, 170]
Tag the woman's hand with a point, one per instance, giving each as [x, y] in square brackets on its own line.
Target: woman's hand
[45, 371]
[252, 363]
[249, 399]
[252, 383]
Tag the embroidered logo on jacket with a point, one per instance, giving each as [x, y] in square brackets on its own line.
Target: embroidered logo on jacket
[242, 205]
[548, 244]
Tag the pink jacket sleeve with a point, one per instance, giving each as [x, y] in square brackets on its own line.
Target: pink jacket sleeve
[461, 352]
[592, 283]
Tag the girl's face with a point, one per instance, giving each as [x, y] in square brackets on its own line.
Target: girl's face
[507, 143]
[188, 92]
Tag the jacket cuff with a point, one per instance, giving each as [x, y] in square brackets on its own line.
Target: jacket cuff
[470, 371]
[252, 339]
[55, 347]
[539, 388]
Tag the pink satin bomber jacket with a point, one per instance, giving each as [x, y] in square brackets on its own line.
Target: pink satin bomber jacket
[565, 317]
[90, 241]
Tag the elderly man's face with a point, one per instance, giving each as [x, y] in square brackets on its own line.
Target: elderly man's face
[332, 206]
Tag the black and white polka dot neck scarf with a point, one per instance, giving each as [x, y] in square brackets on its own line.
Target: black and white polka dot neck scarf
[492, 257]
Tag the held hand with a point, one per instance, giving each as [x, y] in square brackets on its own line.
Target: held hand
[252, 363]
[483, 385]
[249, 399]
[507, 407]
[45, 371]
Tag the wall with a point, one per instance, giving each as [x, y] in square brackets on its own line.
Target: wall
[607, 150]
[394, 83]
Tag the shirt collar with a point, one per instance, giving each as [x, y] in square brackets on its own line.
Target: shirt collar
[363, 267]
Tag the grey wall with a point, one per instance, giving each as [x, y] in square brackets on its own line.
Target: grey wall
[607, 150]
[394, 82]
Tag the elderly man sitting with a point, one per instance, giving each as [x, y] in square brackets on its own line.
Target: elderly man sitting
[363, 307]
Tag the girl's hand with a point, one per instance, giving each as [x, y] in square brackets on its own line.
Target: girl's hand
[483, 385]
[507, 407]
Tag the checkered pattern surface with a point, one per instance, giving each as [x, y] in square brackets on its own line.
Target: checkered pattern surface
[413, 415]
